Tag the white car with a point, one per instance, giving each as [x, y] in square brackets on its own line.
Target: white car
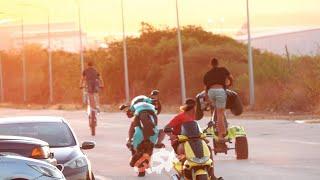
[22, 168]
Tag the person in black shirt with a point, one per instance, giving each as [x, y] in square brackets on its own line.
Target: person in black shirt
[216, 81]
[92, 81]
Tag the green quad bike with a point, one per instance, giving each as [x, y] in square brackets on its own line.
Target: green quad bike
[234, 134]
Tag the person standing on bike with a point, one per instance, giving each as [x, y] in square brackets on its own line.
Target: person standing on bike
[216, 81]
[92, 81]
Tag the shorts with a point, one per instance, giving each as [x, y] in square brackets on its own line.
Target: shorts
[218, 97]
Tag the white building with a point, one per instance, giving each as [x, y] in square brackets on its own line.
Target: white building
[64, 36]
[298, 42]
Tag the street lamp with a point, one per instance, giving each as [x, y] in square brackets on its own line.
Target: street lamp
[1, 78]
[80, 46]
[125, 57]
[250, 59]
[182, 76]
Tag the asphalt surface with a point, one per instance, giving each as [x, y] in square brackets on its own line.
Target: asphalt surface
[277, 149]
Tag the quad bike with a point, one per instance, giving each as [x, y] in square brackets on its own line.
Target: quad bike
[145, 109]
[195, 163]
[234, 134]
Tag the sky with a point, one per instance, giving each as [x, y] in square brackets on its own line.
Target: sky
[101, 18]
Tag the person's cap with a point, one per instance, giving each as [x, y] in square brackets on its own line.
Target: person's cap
[188, 104]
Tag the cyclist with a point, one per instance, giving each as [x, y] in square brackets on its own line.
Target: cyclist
[216, 81]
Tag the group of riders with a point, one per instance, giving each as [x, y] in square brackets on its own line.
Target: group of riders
[215, 81]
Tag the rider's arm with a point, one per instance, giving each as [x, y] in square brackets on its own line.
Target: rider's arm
[230, 78]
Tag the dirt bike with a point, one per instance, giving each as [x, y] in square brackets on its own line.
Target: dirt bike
[196, 162]
[234, 133]
[92, 110]
[145, 109]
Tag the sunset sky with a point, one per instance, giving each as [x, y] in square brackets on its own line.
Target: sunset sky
[103, 17]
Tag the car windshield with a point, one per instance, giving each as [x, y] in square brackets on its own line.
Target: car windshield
[56, 134]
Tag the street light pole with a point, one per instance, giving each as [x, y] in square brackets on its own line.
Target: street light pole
[1, 81]
[24, 76]
[182, 76]
[81, 49]
[50, 63]
[80, 36]
[125, 57]
[250, 59]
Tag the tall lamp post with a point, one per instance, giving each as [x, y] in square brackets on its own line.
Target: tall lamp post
[250, 59]
[1, 77]
[181, 65]
[125, 57]
[24, 72]
[80, 45]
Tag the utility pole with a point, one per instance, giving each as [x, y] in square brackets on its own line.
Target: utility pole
[125, 57]
[81, 49]
[50, 63]
[24, 76]
[181, 65]
[250, 60]
[1, 81]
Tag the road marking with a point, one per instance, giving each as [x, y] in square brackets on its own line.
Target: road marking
[300, 142]
[98, 177]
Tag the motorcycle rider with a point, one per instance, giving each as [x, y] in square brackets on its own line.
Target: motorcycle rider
[216, 80]
[92, 80]
[150, 128]
[187, 114]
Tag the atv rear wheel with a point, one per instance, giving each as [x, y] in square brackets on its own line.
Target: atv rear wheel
[241, 147]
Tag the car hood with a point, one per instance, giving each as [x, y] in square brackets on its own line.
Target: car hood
[65, 154]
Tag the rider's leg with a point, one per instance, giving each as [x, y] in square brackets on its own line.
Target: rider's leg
[220, 123]
[219, 98]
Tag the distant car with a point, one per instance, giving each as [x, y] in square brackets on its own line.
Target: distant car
[61, 138]
[22, 168]
[27, 147]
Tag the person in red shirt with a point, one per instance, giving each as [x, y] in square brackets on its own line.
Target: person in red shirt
[187, 114]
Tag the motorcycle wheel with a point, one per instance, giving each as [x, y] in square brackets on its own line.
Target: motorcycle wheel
[202, 177]
[93, 125]
[141, 174]
[241, 147]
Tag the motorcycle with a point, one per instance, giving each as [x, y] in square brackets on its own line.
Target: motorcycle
[196, 162]
[146, 110]
[92, 110]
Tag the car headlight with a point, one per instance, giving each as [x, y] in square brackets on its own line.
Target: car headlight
[77, 162]
[47, 171]
[200, 160]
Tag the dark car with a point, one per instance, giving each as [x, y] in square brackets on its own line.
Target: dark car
[61, 138]
[27, 147]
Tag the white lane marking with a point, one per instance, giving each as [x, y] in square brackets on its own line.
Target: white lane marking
[98, 177]
[300, 142]
[300, 122]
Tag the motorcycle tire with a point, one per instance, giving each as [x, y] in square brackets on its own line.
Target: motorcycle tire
[202, 177]
[141, 174]
[241, 147]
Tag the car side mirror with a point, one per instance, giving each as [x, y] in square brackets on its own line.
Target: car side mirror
[168, 130]
[122, 107]
[88, 145]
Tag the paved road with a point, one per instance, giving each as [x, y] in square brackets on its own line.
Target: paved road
[278, 149]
